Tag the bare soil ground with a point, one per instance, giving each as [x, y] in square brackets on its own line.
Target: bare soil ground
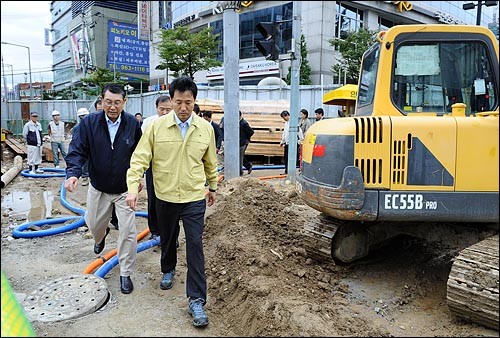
[260, 280]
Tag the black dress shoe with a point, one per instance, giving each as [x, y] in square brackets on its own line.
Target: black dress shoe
[98, 247]
[126, 285]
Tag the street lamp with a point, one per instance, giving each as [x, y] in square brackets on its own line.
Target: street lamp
[471, 5]
[29, 64]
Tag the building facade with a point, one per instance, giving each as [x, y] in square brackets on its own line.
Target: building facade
[123, 36]
[321, 21]
[96, 34]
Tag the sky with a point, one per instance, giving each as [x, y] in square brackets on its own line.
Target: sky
[24, 23]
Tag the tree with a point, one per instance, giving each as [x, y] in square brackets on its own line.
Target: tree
[351, 49]
[186, 53]
[98, 78]
[64, 94]
[305, 69]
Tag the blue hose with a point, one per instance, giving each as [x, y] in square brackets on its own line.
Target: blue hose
[20, 233]
[65, 203]
[111, 263]
[59, 172]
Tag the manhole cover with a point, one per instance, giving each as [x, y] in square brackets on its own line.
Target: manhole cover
[66, 298]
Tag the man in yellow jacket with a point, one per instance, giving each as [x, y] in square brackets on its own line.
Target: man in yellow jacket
[181, 149]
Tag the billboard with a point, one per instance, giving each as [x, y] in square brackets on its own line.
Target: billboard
[143, 17]
[126, 52]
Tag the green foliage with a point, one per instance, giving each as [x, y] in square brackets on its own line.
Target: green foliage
[65, 94]
[186, 53]
[351, 49]
[98, 78]
[305, 68]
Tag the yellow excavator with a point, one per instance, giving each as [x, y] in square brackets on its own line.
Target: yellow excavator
[419, 157]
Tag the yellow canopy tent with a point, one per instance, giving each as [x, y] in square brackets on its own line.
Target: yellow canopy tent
[343, 96]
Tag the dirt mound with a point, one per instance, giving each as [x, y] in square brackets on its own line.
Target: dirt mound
[260, 281]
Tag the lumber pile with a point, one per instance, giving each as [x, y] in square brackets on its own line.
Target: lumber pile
[22, 149]
[263, 116]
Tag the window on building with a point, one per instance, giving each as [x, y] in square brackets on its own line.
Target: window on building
[385, 24]
[347, 19]
[249, 35]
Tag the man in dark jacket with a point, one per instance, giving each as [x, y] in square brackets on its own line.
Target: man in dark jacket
[246, 133]
[107, 139]
[207, 115]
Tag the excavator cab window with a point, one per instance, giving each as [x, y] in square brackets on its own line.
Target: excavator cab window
[368, 78]
[431, 77]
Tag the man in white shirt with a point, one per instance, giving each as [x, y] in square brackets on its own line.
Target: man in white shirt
[57, 136]
[285, 137]
[32, 133]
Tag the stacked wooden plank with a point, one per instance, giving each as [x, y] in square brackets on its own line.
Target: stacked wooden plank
[263, 116]
[22, 149]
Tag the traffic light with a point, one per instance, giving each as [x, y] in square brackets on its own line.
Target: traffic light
[269, 47]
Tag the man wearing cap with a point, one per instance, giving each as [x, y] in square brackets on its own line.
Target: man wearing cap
[81, 113]
[57, 136]
[32, 132]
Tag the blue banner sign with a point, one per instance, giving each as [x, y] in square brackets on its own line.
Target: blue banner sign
[126, 52]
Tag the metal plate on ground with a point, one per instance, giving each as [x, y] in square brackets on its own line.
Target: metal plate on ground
[66, 298]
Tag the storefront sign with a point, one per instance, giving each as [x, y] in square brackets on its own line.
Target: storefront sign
[246, 69]
[186, 20]
[143, 22]
[126, 53]
[447, 18]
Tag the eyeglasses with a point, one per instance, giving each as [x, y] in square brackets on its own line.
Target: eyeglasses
[111, 103]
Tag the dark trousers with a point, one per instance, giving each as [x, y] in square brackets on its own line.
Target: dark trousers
[243, 160]
[114, 219]
[85, 169]
[285, 155]
[297, 163]
[192, 214]
[152, 216]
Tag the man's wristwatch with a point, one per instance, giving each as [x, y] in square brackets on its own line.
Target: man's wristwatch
[212, 190]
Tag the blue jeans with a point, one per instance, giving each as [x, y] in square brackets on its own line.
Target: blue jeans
[55, 151]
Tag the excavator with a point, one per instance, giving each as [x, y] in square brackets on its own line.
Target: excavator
[419, 157]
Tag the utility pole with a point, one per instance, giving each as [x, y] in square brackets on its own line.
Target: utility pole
[5, 87]
[84, 58]
[231, 28]
[479, 5]
[294, 94]
[29, 64]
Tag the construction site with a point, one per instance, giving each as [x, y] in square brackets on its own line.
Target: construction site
[260, 279]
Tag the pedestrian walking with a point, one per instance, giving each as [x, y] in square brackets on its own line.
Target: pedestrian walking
[285, 138]
[304, 122]
[181, 149]
[32, 133]
[320, 114]
[246, 132]
[207, 115]
[107, 140]
[138, 117]
[57, 134]
[82, 113]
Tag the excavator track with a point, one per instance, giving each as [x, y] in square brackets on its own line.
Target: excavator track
[472, 288]
[318, 237]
